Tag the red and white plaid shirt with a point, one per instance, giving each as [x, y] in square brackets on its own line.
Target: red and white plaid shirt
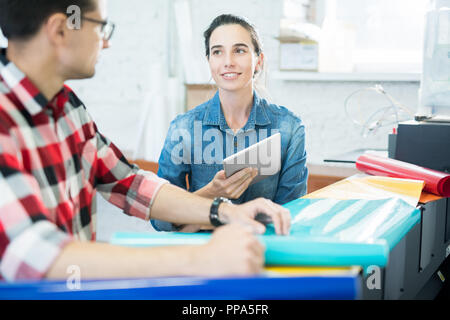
[52, 161]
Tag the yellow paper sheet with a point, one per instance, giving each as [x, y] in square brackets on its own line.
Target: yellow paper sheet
[311, 271]
[371, 188]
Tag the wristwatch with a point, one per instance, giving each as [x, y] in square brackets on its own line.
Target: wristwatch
[214, 211]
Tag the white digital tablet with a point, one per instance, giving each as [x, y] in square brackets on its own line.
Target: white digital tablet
[264, 155]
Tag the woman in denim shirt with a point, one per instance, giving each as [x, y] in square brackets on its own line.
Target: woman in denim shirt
[234, 119]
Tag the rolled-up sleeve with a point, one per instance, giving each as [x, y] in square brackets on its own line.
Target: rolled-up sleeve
[29, 242]
[294, 173]
[124, 184]
[173, 163]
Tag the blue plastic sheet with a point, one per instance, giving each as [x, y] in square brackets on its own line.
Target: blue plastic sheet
[324, 232]
[339, 287]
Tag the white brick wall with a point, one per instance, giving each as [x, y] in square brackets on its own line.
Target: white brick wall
[115, 96]
[321, 107]
[137, 64]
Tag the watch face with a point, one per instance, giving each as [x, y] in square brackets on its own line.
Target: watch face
[225, 200]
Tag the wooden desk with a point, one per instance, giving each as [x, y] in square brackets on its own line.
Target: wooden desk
[321, 176]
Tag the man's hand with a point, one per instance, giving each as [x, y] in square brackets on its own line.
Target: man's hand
[232, 250]
[232, 187]
[245, 214]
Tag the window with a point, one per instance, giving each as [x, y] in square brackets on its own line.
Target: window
[367, 35]
[388, 34]
[303, 10]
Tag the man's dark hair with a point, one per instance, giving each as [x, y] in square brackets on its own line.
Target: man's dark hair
[22, 19]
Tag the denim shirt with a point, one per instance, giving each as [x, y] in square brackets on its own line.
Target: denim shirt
[200, 139]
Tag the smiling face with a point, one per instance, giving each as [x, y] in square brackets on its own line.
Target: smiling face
[232, 60]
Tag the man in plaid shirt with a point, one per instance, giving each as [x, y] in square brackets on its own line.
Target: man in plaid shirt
[53, 160]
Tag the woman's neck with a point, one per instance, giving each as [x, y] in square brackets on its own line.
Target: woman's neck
[236, 107]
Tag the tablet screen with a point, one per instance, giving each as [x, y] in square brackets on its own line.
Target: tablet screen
[264, 155]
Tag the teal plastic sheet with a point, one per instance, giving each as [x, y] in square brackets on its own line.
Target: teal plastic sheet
[360, 221]
[324, 232]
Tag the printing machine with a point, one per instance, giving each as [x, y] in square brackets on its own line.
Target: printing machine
[413, 270]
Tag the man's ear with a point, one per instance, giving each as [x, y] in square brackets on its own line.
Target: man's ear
[56, 28]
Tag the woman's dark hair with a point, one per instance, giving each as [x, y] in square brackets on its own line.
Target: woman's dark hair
[22, 19]
[226, 19]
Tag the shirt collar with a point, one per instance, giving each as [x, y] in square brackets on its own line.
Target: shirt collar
[258, 115]
[27, 93]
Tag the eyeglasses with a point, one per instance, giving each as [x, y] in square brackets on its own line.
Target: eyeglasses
[107, 27]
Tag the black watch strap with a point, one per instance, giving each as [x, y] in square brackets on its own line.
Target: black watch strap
[214, 211]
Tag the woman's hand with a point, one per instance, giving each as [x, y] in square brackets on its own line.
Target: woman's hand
[245, 214]
[232, 187]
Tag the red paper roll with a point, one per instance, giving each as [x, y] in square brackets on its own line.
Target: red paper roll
[436, 182]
